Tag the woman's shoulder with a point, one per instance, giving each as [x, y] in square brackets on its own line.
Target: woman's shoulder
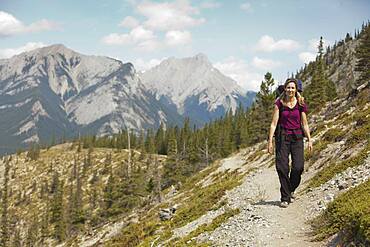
[278, 102]
[303, 107]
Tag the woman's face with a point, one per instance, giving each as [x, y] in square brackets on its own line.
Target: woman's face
[290, 89]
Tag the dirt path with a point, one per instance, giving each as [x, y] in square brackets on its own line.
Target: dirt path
[286, 226]
[262, 222]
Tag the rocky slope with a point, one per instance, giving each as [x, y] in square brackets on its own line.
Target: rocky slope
[340, 64]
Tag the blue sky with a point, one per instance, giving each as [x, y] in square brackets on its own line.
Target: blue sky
[243, 39]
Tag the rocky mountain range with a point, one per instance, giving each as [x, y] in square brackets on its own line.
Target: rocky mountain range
[195, 88]
[55, 92]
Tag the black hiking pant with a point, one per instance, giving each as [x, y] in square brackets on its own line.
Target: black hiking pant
[289, 178]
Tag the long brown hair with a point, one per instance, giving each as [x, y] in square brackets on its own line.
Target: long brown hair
[298, 95]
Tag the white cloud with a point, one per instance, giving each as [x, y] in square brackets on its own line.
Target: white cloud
[139, 37]
[41, 25]
[117, 39]
[268, 44]
[240, 71]
[129, 22]
[167, 20]
[265, 64]
[307, 57]
[9, 52]
[210, 5]
[150, 45]
[135, 36]
[141, 34]
[246, 7]
[145, 40]
[174, 38]
[142, 65]
[9, 25]
[166, 16]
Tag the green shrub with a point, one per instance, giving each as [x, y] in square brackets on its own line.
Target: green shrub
[363, 97]
[358, 135]
[198, 202]
[135, 233]
[216, 222]
[362, 127]
[348, 213]
[317, 148]
[317, 129]
[333, 135]
[205, 198]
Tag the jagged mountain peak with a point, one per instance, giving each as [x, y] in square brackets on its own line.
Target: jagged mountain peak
[201, 56]
[196, 88]
[197, 61]
[55, 48]
[49, 50]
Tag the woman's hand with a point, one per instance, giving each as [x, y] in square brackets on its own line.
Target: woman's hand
[270, 147]
[310, 146]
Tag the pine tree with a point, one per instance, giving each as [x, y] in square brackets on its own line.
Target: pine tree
[94, 192]
[171, 173]
[321, 88]
[111, 196]
[227, 134]
[157, 194]
[192, 156]
[184, 138]
[238, 126]
[261, 111]
[142, 145]
[160, 140]
[44, 228]
[150, 142]
[57, 212]
[348, 38]
[363, 55]
[76, 212]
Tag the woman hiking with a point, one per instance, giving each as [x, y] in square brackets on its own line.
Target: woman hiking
[288, 118]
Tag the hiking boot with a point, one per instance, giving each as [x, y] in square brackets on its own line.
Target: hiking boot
[292, 197]
[284, 204]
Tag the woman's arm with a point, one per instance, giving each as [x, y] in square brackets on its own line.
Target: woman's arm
[306, 130]
[275, 119]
